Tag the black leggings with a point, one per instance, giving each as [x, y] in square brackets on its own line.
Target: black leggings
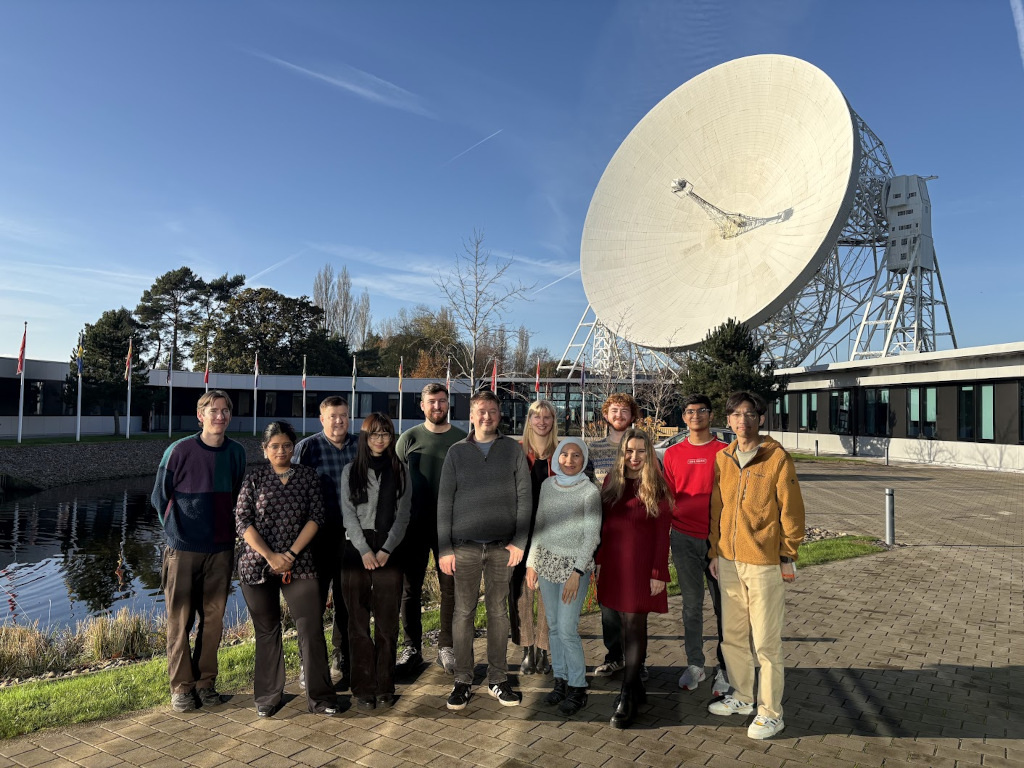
[634, 636]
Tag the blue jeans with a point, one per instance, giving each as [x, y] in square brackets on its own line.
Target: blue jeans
[690, 557]
[567, 660]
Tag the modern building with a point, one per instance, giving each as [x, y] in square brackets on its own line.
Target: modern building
[961, 407]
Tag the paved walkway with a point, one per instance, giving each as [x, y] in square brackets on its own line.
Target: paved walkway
[911, 657]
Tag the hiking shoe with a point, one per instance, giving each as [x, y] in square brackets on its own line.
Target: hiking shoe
[609, 668]
[505, 695]
[459, 696]
[692, 677]
[644, 673]
[408, 659]
[730, 706]
[339, 667]
[558, 693]
[575, 700]
[209, 697]
[446, 660]
[183, 702]
[721, 685]
[765, 727]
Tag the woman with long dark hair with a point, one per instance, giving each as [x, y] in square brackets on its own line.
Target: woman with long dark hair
[632, 561]
[279, 511]
[376, 503]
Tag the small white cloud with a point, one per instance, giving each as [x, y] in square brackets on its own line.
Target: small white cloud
[1017, 7]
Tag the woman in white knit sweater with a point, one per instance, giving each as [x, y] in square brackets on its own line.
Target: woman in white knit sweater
[560, 562]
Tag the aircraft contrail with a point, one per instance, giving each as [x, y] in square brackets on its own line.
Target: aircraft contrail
[281, 263]
[555, 281]
[473, 147]
[1017, 6]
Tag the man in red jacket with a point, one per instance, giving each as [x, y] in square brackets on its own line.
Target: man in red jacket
[690, 472]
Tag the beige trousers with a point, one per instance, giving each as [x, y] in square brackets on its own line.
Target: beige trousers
[753, 611]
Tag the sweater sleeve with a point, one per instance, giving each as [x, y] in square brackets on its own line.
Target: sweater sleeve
[353, 529]
[402, 513]
[445, 504]
[591, 525]
[524, 499]
[661, 535]
[715, 531]
[791, 510]
[163, 488]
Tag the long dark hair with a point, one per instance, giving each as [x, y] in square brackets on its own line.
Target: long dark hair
[357, 476]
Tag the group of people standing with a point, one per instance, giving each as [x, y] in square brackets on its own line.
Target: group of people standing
[358, 518]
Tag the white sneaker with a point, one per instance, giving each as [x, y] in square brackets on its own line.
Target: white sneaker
[691, 678]
[731, 706]
[765, 727]
[721, 685]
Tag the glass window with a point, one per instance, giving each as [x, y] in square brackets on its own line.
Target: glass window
[876, 412]
[809, 411]
[839, 412]
[986, 415]
[966, 413]
[921, 412]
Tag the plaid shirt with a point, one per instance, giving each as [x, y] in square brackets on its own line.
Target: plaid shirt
[318, 452]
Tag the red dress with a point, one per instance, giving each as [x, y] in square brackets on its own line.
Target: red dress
[634, 550]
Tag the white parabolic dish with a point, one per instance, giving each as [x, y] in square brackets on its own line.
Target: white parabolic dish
[769, 137]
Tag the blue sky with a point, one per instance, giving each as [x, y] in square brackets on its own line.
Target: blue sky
[271, 137]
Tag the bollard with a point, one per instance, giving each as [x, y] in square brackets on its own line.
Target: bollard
[890, 517]
[815, 447]
[887, 454]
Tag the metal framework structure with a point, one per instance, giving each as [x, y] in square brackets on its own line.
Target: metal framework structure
[608, 355]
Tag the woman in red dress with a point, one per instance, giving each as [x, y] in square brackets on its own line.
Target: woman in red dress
[632, 561]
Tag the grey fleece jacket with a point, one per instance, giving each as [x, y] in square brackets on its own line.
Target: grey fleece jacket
[365, 515]
[484, 498]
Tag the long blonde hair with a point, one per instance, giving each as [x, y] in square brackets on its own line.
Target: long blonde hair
[551, 441]
[653, 489]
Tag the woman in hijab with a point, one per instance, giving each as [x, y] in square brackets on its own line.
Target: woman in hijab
[560, 562]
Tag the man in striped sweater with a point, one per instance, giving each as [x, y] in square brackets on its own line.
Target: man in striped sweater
[483, 519]
[196, 487]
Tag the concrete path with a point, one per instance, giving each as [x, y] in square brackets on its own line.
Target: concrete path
[911, 657]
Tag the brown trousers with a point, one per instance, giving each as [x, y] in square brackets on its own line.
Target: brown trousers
[195, 587]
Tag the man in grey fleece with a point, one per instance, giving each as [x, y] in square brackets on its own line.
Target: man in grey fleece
[483, 519]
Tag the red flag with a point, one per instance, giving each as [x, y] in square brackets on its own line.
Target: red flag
[128, 362]
[494, 376]
[206, 375]
[303, 371]
[21, 352]
[536, 386]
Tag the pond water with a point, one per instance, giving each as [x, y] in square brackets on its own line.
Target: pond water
[83, 550]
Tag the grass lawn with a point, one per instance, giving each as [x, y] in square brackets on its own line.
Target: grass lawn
[110, 693]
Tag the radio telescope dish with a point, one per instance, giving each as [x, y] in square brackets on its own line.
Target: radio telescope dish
[723, 202]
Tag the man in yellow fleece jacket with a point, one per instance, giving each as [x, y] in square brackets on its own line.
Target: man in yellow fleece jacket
[757, 523]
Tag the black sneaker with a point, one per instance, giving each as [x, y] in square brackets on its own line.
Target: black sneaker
[459, 696]
[505, 695]
[209, 697]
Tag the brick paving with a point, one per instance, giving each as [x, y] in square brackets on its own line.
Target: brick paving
[910, 657]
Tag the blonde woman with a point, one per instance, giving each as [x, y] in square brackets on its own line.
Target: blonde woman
[540, 438]
[632, 561]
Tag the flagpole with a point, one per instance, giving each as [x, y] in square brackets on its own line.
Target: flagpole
[583, 399]
[537, 385]
[401, 362]
[303, 395]
[255, 386]
[170, 390]
[78, 408]
[352, 408]
[448, 386]
[206, 376]
[128, 367]
[21, 370]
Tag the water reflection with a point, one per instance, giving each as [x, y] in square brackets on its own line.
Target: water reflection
[82, 550]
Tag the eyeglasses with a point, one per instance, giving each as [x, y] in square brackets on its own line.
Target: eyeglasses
[698, 412]
[379, 436]
[748, 416]
[284, 447]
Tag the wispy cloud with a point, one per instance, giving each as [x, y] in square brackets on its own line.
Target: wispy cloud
[276, 265]
[1017, 6]
[452, 160]
[563, 277]
[363, 84]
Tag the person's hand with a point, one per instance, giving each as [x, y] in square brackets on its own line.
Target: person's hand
[788, 571]
[597, 573]
[571, 588]
[382, 558]
[447, 565]
[370, 561]
[713, 567]
[279, 562]
[657, 587]
[531, 578]
[515, 556]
